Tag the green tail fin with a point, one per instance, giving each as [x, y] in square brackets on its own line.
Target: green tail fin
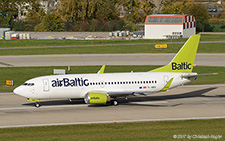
[184, 59]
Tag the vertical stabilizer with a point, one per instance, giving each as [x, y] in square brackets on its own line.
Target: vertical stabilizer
[184, 59]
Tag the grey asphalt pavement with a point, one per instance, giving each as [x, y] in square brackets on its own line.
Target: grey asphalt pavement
[108, 59]
[184, 102]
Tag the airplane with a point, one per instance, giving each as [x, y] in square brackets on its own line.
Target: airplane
[104, 88]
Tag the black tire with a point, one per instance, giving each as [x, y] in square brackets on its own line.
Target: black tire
[115, 103]
[37, 105]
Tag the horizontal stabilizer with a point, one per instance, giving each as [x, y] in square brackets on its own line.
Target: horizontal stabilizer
[195, 75]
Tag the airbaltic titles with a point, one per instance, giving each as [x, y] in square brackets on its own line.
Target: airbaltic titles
[181, 66]
[66, 82]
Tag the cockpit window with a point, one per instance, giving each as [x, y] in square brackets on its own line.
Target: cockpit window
[28, 84]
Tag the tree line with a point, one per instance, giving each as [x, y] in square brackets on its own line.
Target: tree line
[92, 15]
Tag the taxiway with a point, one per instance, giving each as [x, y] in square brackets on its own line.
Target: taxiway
[108, 59]
[184, 102]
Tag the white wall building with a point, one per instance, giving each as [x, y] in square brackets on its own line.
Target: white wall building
[169, 26]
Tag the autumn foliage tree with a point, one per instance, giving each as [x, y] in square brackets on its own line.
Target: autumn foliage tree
[189, 7]
[137, 9]
[82, 10]
[50, 22]
[9, 11]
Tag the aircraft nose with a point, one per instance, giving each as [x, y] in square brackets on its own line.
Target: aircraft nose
[18, 91]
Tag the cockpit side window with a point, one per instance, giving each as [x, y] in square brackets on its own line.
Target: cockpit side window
[28, 84]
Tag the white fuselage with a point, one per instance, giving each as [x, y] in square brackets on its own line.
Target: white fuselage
[77, 85]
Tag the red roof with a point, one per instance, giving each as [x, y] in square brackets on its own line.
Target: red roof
[168, 19]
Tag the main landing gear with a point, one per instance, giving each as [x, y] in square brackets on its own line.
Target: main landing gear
[37, 105]
[114, 102]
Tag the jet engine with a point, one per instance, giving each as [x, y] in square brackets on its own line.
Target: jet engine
[96, 98]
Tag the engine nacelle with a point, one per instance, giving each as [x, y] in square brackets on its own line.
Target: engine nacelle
[96, 98]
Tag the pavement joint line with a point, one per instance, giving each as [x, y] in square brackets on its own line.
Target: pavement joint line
[100, 57]
[44, 107]
[149, 102]
[6, 93]
[113, 122]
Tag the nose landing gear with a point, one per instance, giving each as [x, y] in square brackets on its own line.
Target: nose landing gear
[37, 104]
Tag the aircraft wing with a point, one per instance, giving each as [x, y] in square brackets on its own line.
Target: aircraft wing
[127, 93]
[115, 94]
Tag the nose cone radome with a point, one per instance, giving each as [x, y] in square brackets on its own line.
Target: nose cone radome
[19, 91]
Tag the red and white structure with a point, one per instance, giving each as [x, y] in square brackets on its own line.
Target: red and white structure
[169, 26]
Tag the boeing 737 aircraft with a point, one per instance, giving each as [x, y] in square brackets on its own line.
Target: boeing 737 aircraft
[103, 88]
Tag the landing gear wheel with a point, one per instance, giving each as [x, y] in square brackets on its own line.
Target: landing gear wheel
[37, 105]
[115, 103]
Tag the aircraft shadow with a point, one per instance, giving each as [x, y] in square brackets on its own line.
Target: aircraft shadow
[198, 93]
[57, 102]
[123, 101]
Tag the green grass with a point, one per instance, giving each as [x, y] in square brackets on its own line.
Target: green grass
[212, 37]
[142, 131]
[210, 79]
[172, 48]
[20, 74]
[30, 43]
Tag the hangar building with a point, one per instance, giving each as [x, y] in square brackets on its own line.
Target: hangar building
[168, 26]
